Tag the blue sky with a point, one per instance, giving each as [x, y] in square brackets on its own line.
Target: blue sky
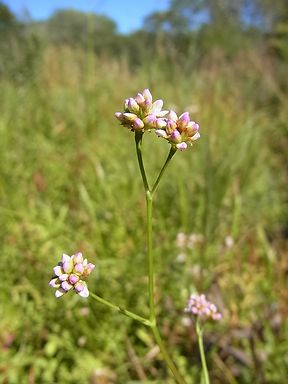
[128, 14]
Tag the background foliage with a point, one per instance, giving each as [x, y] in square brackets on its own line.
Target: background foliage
[69, 182]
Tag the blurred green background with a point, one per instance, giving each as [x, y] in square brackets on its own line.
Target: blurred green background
[69, 182]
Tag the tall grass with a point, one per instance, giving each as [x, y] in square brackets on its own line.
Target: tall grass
[70, 182]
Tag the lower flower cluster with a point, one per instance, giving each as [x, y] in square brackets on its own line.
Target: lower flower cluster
[198, 305]
[69, 275]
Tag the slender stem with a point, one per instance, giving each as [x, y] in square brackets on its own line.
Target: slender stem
[151, 278]
[149, 204]
[167, 357]
[138, 141]
[199, 332]
[169, 157]
[132, 315]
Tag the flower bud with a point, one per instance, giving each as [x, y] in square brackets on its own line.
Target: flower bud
[171, 126]
[161, 123]
[66, 286]
[138, 124]
[139, 99]
[129, 117]
[176, 136]
[73, 279]
[183, 120]
[54, 283]
[119, 116]
[182, 146]
[147, 95]
[67, 266]
[150, 121]
[57, 270]
[63, 277]
[172, 116]
[78, 258]
[161, 133]
[126, 104]
[196, 136]
[79, 268]
[132, 105]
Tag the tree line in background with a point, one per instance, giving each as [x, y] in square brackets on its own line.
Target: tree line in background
[188, 27]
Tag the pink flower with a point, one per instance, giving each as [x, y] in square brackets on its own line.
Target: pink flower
[68, 275]
[198, 305]
[141, 113]
[180, 132]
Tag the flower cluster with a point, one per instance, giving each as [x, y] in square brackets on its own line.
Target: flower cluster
[68, 274]
[179, 131]
[141, 114]
[198, 305]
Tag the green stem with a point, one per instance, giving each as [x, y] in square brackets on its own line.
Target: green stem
[132, 315]
[199, 332]
[151, 277]
[179, 379]
[149, 202]
[172, 152]
[138, 141]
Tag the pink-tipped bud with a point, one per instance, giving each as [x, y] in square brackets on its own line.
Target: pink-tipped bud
[183, 120]
[161, 123]
[79, 286]
[119, 116]
[176, 136]
[147, 95]
[78, 258]
[63, 277]
[81, 289]
[89, 268]
[139, 99]
[54, 283]
[66, 286]
[182, 146]
[196, 136]
[79, 268]
[65, 258]
[57, 270]
[73, 279]
[68, 266]
[126, 101]
[129, 117]
[150, 121]
[84, 293]
[133, 106]
[60, 292]
[138, 124]
[172, 116]
[170, 126]
[161, 133]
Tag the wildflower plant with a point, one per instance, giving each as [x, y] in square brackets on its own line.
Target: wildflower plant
[202, 310]
[142, 114]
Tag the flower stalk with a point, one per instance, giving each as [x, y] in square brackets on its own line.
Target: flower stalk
[199, 332]
[151, 275]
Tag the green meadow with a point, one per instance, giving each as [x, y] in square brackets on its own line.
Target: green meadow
[70, 182]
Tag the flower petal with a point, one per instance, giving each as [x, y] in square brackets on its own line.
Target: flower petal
[78, 258]
[58, 270]
[54, 283]
[60, 292]
[157, 106]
